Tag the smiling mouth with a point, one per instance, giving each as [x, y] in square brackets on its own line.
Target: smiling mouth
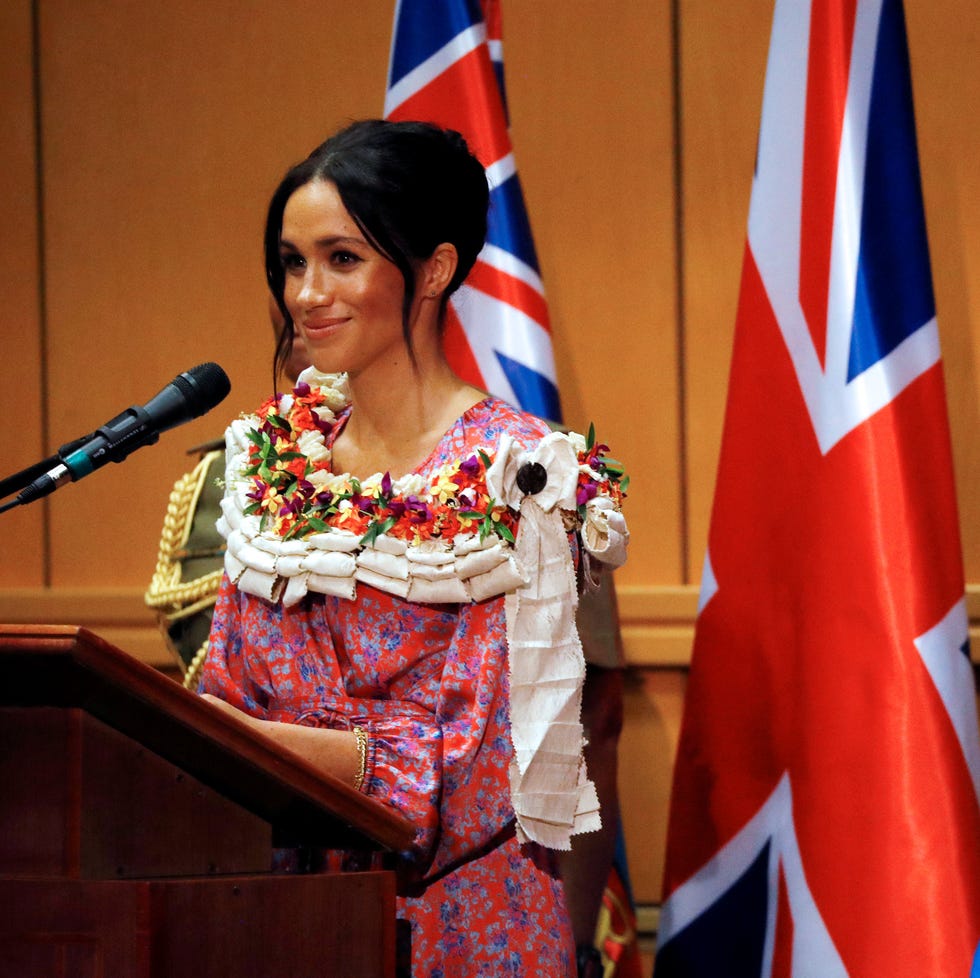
[323, 327]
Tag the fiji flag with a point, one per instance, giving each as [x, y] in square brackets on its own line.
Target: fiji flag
[825, 818]
[445, 69]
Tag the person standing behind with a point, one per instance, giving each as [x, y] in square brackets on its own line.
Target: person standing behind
[190, 557]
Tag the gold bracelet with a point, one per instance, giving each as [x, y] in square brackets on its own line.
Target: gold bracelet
[360, 738]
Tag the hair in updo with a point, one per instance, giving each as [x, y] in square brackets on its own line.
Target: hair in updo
[409, 186]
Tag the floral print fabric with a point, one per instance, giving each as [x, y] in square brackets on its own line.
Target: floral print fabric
[429, 685]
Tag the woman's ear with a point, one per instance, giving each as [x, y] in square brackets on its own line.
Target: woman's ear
[439, 269]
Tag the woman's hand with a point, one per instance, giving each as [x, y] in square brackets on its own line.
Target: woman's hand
[334, 752]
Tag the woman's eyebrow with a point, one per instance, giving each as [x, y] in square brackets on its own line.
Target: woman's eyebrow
[327, 242]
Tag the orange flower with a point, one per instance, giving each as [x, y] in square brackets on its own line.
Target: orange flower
[297, 466]
[301, 418]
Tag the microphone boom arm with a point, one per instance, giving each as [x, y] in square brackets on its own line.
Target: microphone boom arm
[188, 396]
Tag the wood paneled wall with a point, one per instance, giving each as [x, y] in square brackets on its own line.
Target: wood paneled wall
[143, 140]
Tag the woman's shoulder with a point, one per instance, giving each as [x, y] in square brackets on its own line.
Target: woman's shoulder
[481, 427]
[493, 417]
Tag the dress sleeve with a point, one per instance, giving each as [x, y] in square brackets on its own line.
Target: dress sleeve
[428, 687]
[474, 717]
[439, 749]
[221, 674]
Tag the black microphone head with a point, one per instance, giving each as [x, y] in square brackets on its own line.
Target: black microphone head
[204, 386]
[187, 396]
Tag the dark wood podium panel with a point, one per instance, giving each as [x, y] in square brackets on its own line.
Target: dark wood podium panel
[83, 801]
[70, 668]
[329, 926]
[137, 823]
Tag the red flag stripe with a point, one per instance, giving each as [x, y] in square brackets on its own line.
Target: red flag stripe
[831, 36]
[464, 98]
[511, 290]
[460, 353]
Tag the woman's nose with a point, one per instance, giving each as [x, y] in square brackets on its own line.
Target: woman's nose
[316, 289]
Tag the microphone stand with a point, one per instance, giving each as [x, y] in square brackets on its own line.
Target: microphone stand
[17, 481]
[187, 396]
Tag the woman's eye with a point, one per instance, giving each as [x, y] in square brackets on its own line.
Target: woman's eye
[290, 261]
[344, 258]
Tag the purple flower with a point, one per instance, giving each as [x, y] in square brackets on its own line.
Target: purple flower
[417, 509]
[258, 492]
[471, 466]
[397, 508]
[585, 493]
[293, 507]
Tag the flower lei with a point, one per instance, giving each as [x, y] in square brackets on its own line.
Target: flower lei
[294, 493]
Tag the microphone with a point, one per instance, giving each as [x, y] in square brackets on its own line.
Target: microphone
[187, 396]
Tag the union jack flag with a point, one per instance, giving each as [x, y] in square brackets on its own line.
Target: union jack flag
[446, 67]
[825, 817]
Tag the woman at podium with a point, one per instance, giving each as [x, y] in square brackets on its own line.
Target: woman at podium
[404, 554]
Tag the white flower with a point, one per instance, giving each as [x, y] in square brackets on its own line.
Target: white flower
[236, 435]
[371, 486]
[554, 454]
[410, 484]
[578, 442]
[312, 445]
[604, 533]
[336, 483]
[333, 386]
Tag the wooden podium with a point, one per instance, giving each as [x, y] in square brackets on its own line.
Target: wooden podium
[137, 824]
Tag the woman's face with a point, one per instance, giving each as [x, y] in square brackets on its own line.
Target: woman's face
[345, 298]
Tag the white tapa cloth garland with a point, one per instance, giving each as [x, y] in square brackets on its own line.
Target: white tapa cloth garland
[552, 795]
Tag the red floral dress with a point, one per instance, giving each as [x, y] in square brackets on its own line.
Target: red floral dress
[429, 683]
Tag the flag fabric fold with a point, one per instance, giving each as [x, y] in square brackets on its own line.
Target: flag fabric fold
[825, 818]
[446, 67]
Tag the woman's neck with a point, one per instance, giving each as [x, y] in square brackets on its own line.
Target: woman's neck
[399, 414]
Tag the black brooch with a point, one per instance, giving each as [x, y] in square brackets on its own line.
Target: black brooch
[532, 477]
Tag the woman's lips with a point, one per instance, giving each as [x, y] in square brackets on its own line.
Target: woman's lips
[322, 327]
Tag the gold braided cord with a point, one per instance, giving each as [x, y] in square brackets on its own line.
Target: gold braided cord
[193, 672]
[167, 590]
